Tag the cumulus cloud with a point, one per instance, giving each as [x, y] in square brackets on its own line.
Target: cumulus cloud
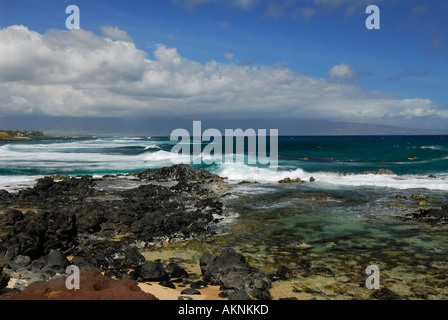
[342, 72]
[115, 33]
[229, 56]
[77, 73]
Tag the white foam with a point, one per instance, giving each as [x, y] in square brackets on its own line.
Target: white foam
[16, 183]
[84, 144]
[239, 172]
[165, 158]
[50, 157]
[391, 181]
[152, 146]
[433, 147]
[57, 161]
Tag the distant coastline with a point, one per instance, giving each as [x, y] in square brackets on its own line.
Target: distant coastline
[10, 135]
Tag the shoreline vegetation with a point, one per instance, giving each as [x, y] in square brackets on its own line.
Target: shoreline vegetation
[137, 236]
[10, 135]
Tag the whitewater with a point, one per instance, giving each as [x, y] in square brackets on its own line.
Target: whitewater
[326, 159]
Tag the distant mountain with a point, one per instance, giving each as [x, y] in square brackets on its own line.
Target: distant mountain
[317, 127]
[68, 126]
[347, 128]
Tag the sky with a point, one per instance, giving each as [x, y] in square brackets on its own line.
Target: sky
[158, 62]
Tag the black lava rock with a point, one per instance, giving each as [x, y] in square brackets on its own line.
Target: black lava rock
[4, 279]
[134, 257]
[179, 273]
[152, 271]
[231, 271]
[190, 292]
[386, 294]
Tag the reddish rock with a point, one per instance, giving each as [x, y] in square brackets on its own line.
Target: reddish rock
[93, 286]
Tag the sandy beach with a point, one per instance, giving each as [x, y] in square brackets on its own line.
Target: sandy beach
[279, 289]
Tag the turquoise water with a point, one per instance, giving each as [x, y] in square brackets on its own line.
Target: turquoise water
[358, 154]
[341, 221]
[328, 154]
[98, 155]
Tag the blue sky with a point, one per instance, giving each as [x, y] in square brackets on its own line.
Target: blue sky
[322, 44]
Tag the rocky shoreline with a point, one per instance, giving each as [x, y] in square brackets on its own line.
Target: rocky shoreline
[10, 135]
[64, 218]
[85, 221]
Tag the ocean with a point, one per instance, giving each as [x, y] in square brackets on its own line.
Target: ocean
[324, 158]
[346, 220]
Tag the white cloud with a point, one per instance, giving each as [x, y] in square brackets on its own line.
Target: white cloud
[115, 33]
[342, 72]
[77, 73]
[417, 108]
[229, 56]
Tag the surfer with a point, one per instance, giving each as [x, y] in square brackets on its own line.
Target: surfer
[414, 158]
